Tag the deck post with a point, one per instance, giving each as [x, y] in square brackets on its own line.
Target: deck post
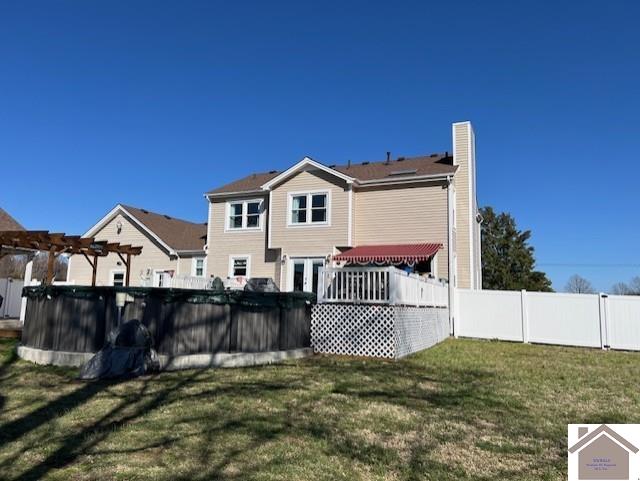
[393, 286]
[321, 284]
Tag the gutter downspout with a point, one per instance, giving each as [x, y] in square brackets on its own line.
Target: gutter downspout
[451, 274]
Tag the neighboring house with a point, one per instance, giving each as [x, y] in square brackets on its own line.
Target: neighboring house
[7, 222]
[603, 454]
[285, 225]
[170, 247]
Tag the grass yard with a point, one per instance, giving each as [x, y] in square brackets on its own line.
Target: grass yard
[462, 410]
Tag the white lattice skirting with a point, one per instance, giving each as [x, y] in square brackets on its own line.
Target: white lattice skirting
[376, 330]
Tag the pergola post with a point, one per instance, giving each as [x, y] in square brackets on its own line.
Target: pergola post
[128, 271]
[51, 262]
[95, 270]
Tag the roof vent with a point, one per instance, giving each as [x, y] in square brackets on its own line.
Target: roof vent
[388, 157]
[166, 216]
[365, 163]
[332, 166]
[400, 159]
[273, 171]
[404, 172]
[145, 211]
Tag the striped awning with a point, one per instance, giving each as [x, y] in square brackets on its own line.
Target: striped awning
[389, 254]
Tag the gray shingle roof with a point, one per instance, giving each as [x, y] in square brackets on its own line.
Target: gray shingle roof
[434, 164]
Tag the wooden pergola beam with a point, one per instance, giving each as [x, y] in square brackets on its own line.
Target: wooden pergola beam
[56, 243]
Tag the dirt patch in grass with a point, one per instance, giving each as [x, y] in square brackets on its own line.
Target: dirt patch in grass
[462, 410]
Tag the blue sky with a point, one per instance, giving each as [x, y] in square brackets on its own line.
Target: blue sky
[153, 103]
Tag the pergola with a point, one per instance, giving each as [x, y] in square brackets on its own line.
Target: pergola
[22, 242]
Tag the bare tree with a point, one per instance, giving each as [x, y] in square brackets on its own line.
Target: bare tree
[620, 289]
[579, 285]
[631, 289]
[14, 265]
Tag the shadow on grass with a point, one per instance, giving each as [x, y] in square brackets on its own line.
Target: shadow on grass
[470, 396]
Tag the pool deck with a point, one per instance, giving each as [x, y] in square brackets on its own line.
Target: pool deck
[10, 329]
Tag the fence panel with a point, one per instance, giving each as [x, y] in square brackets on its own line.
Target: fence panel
[568, 319]
[489, 314]
[588, 320]
[623, 326]
[11, 291]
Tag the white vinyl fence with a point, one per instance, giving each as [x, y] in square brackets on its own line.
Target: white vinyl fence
[591, 320]
[11, 291]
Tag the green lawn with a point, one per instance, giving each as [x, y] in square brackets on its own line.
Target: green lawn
[462, 410]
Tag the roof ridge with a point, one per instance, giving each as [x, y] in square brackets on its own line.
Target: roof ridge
[166, 216]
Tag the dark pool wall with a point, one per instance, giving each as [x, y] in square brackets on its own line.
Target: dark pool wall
[78, 319]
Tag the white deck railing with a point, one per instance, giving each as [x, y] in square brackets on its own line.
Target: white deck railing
[185, 282]
[379, 285]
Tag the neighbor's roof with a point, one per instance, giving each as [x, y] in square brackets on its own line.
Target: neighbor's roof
[434, 164]
[7, 222]
[178, 234]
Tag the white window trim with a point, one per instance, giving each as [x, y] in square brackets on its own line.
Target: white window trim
[239, 256]
[244, 228]
[308, 193]
[112, 274]
[194, 262]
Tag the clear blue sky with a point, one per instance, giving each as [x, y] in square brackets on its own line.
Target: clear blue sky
[153, 103]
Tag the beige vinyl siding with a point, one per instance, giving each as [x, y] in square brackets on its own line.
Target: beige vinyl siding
[310, 240]
[461, 179]
[152, 257]
[402, 215]
[223, 244]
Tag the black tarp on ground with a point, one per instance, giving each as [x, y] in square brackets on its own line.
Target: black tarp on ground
[127, 353]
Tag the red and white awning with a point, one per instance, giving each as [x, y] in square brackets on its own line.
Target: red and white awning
[389, 254]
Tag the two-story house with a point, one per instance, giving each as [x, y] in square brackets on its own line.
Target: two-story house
[417, 213]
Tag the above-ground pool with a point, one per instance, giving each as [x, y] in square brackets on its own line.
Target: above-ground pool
[66, 325]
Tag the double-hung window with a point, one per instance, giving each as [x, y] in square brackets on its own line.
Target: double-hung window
[309, 208]
[239, 266]
[244, 214]
[198, 266]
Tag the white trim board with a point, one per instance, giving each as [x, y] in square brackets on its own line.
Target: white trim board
[306, 161]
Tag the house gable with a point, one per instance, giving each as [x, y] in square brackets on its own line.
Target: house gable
[119, 210]
[153, 256]
[306, 163]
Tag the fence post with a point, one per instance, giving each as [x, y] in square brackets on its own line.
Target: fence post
[27, 282]
[525, 316]
[604, 320]
[454, 319]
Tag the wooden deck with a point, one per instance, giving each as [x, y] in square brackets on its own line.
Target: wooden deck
[10, 329]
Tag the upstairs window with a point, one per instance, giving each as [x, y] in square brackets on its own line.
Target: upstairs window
[311, 208]
[244, 215]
